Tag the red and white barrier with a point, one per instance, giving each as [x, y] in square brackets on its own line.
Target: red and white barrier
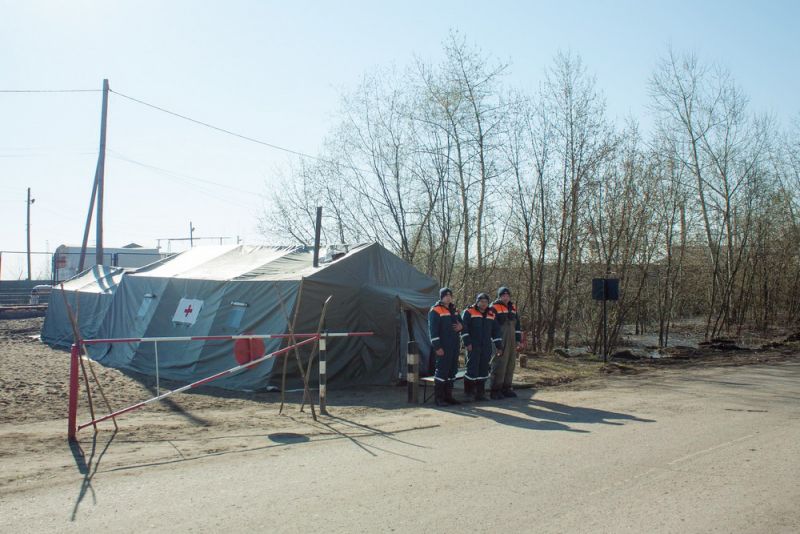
[73, 427]
[218, 338]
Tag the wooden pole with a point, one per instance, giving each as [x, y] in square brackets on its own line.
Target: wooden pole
[88, 226]
[28, 231]
[291, 327]
[101, 166]
[306, 392]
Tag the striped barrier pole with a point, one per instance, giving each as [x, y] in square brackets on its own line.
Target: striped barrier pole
[323, 375]
[219, 338]
[73, 392]
[188, 386]
[412, 374]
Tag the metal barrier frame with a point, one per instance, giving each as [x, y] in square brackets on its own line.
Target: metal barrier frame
[73, 427]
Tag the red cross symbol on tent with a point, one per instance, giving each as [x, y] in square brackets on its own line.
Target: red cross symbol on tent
[187, 310]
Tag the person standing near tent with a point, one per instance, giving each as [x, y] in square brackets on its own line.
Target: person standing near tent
[444, 325]
[503, 364]
[481, 332]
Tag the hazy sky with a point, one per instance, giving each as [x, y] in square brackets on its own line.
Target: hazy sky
[275, 71]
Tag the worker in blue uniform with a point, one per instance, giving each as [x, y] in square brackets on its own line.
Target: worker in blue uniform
[481, 336]
[444, 326]
[503, 364]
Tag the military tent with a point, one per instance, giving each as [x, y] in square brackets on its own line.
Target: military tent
[236, 289]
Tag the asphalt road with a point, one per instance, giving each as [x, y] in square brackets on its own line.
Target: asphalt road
[715, 450]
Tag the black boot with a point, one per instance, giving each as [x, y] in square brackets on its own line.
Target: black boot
[480, 390]
[495, 394]
[448, 392]
[439, 393]
[469, 387]
[508, 393]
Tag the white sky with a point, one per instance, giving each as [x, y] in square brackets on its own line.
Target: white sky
[274, 71]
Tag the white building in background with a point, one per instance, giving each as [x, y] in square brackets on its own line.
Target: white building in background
[66, 258]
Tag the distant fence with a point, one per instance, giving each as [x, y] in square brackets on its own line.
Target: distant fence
[18, 292]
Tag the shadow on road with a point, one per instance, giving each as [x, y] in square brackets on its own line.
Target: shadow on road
[576, 414]
[525, 412]
[352, 431]
[369, 431]
[88, 468]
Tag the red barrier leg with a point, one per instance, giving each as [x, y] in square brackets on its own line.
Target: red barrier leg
[73, 392]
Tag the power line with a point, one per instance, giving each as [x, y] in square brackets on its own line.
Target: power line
[195, 121]
[229, 132]
[123, 157]
[50, 90]
[189, 179]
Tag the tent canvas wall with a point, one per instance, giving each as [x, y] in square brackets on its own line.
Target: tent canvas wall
[239, 289]
[89, 295]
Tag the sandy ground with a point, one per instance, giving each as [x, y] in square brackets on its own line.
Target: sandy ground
[702, 405]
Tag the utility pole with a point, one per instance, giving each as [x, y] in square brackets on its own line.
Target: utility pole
[28, 229]
[101, 171]
[317, 231]
[191, 234]
[99, 178]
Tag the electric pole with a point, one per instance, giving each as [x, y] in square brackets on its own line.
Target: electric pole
[101, 171]
[97, 189]
[191, 234]
[28, 229]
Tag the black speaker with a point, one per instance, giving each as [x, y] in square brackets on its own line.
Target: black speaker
[605, 288]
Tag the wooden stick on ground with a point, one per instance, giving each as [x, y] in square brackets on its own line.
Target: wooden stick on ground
[100, 388]
[291, 327]
[85, 356]
[306, 391]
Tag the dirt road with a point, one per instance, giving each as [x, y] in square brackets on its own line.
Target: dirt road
[714, 451]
